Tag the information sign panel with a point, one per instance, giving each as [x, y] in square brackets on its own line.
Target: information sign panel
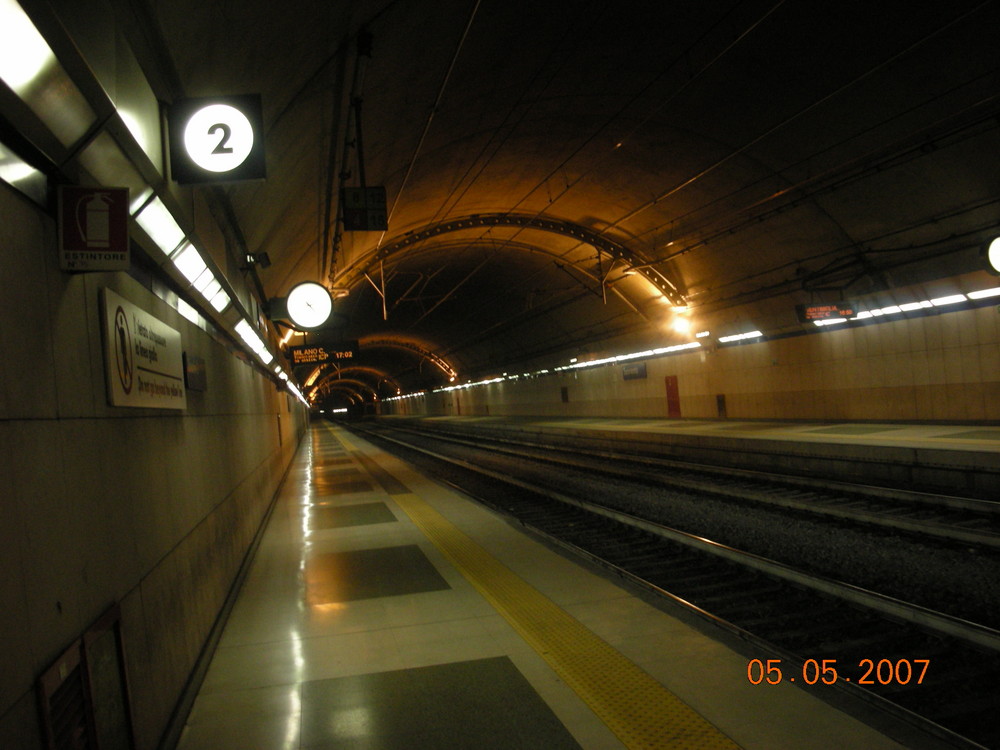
[93, 228]
[143, 357]
[635, 371]
[320, 354]
[811, 313]
[365, 209]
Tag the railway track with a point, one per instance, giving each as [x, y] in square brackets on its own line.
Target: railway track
[931, 670]
[959, 519]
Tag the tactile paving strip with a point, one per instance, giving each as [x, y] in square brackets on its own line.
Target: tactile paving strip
[637, 708]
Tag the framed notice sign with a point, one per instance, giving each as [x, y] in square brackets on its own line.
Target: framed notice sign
[143, 358]
[93, 228]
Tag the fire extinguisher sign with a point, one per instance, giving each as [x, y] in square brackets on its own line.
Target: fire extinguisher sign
[93, 228]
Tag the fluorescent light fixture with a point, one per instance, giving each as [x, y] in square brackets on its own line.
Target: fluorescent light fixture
[161, 226]
[740, 337]
[952, 300]
[985, 293]
[702, 334]
[633, 355]
[189, 262]
[21, 175]
[204, 280]
[13, 170]
[220, 301]
[295, 391]
[147, 141]
[24, 54]
[911, 306]
[213, 288]
[30, 68]
[830, 321]
[140, 200]
[252, 340]
[188, 312]
[678, 348]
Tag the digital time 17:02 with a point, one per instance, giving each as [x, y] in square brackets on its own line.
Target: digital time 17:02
[824, 671]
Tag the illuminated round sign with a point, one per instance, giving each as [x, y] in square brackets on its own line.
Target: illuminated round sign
[309, 305]
[218, 138]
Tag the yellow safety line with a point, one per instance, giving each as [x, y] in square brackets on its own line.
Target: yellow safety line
[637, 708]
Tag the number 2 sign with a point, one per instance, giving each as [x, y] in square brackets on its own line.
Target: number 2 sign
[217, 139]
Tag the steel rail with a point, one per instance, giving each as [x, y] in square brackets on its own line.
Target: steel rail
[826, 507]
[944, 624]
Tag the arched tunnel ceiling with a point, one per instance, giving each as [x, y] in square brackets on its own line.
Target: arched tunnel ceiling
[747, 156]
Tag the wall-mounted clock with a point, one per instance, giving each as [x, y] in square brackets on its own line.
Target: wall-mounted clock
[309, 305]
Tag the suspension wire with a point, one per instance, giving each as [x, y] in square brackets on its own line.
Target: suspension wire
[600, 129]
[569, 33]
[430, 118]
[618, 113]
[454, 192]
[822, 100]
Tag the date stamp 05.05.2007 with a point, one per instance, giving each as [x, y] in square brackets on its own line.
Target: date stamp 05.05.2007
[828, 671]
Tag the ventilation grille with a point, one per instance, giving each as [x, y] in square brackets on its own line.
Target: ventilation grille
[83, 696]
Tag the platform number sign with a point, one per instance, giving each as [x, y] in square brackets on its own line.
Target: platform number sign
[218, 139]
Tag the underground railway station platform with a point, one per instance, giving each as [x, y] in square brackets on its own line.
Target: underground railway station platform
[950, 459]
[384, 610]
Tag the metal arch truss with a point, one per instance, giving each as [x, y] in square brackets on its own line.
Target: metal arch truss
[421, 351]
[352, 396]
[332, 383]
[330, 371]
[609, 247]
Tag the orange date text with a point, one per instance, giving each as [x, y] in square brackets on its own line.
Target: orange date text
[828, 671]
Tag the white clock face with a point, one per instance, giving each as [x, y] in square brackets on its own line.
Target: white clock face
[993, 254]
[309, 305]
[218, 138]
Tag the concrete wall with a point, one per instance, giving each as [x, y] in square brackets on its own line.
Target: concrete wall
[942, 367]
[154, 509]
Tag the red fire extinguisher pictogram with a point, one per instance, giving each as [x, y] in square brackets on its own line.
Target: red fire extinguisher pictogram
[92, 219]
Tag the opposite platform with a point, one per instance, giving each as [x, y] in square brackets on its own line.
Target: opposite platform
[940, 458]
[385, 611]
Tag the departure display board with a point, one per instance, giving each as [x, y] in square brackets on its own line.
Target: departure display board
[826, 311]
[321, 354]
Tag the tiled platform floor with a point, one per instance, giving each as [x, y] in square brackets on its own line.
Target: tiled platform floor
[355, 630]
